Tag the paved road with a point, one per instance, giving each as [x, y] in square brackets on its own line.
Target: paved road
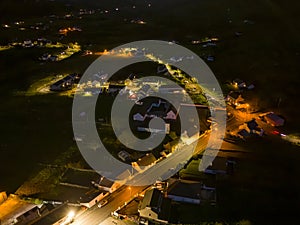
[95, 215]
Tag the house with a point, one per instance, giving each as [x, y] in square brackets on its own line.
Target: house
[156, 128]
[144, 161]
[150, 81]
[15, 210]
[234, 98]
[218, 166]
[138, 117]
[65, 83]
[45, 57]
[155, 206]
[203, 113]
[53, 58]
[162, 68]
[170, 115]
[192, 192]
[125, 156]
[3, 197]
[113, 88]
[107, 185]
[27, 44]
[62, 214]
[170, 89]
[79, 188]
[239, 83]
[252, 125]
[210, 58]
[243, 133]
[160, 105]
[274, 119]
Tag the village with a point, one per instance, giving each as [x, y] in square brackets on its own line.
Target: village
[252, 175]
[153, 203]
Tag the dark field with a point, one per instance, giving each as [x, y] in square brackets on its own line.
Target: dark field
[36, 129]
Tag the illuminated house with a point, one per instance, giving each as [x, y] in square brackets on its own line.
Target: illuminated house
[192, 192]
[274, 119]
[234, 98]
[155, 206]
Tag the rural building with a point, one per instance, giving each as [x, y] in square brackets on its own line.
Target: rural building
[192, 192]
[234, 98]
[15, 210]
[252, 125]
[155, 206]
[239, 83]
[274, 119]
[138, 117]
[203, 116]
[146, 160]
[170, 89]
[65, 83]
[218, 166]
[125, 156]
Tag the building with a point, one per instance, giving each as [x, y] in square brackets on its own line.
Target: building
[239, 83]
[146, 160]
[15, 210]
[203, 116]
[138, 117]
[125, 156]
[274, 119]
[3, 197]
[155, 206]
[65, 83]
[218, 166]
[234, 98]
[170, 89]
[108, 185]
[80, 187]
[170, 115]
[114, 88]
[192, 192]
[252, 126]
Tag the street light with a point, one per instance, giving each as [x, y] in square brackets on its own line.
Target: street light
[129, 188]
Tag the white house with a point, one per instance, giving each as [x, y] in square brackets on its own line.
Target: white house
[170, 115]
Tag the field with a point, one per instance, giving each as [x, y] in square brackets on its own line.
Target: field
[37, 128]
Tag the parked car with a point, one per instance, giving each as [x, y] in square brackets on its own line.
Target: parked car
[102, 203]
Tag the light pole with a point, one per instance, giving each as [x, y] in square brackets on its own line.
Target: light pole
[129, 188]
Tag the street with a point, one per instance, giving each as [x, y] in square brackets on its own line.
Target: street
[95, 215]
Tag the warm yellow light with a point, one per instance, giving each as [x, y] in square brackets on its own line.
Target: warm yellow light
[71, 214]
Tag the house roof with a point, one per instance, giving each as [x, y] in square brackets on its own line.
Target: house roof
[57, 214]
[165, 209]
[202, 111]
[71, 194]
[146, 159]
[82, 178]
[219, 164]
[152, 198]
[252, 124]
[104, 182]
[234, 94]
[275, 118]
[173, 86]
[244, 133]
[238, 81]
[189, 189]
[192, 189]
